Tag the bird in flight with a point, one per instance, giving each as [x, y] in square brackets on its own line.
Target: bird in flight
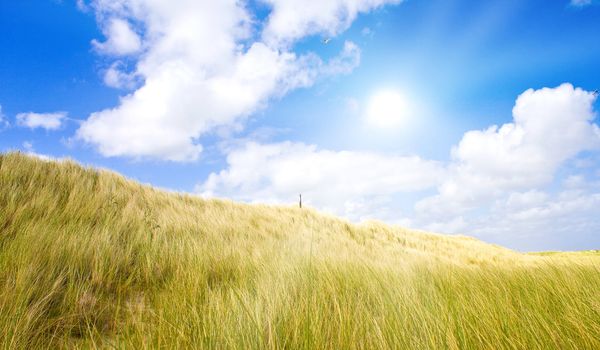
[326, 41]
[596, 92]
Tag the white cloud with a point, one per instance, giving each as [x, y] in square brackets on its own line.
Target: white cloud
[294, 19]
[48, 121]
[352, 184]
[115, 77]
[200, 70]
[566, 220]
[121, 39]
[574, 182]
[345, 62]
[501, 179]
[550, 126]
[81, 5]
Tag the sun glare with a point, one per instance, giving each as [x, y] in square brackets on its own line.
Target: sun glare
[388, 109]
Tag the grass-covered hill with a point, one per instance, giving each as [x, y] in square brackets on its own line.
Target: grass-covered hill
[89, 259]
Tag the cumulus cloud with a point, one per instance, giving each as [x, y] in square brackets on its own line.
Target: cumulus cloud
[48, 121]
[116, 77]
[293, 19]
[121, 39]
[550, 126]
[353, 184]
[201, 66]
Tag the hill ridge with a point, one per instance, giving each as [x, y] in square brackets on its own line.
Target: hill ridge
[89, 258]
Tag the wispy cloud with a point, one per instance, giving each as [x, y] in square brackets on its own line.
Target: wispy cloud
[581, 3]
[30, 150]
[3, 122]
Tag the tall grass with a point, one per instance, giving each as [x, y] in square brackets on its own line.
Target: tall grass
[89, 259]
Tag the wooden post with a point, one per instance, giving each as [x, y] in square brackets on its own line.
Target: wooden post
[300, 200]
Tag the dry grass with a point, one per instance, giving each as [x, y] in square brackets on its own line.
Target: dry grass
[90, 259]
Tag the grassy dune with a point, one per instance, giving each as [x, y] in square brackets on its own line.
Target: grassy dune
[89, 259]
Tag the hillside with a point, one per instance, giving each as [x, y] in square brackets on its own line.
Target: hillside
[90, 259]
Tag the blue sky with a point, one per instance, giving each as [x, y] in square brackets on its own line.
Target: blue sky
[393, 119]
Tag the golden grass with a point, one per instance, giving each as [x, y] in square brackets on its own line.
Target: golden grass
[89, 259]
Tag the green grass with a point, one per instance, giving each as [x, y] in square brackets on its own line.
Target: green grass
[89, 259]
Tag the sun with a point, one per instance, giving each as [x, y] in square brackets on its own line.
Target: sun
[388, 109]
